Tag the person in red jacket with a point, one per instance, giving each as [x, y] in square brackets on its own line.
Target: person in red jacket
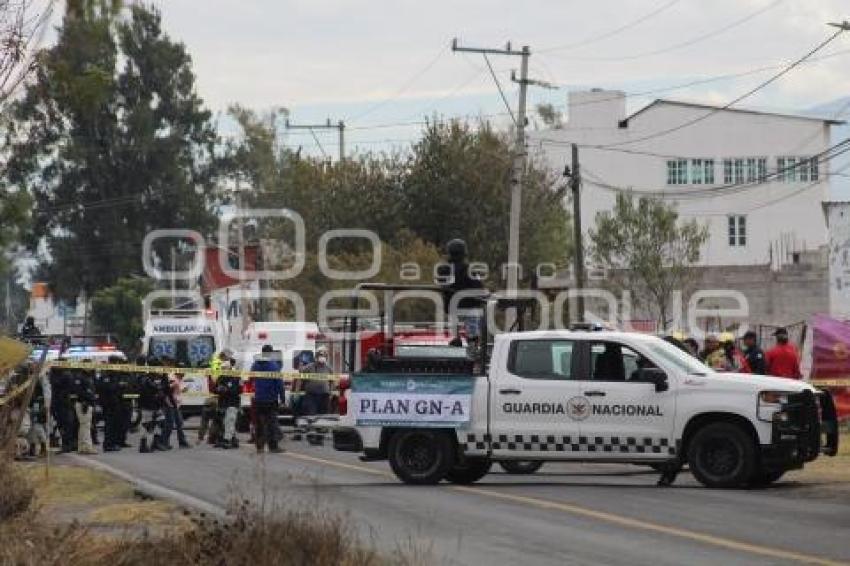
[783, 359]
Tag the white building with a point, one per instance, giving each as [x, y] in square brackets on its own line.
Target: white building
[752, 177]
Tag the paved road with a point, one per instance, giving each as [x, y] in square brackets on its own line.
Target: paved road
[565, 514]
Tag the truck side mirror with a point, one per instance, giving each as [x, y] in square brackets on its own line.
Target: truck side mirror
[655, 376]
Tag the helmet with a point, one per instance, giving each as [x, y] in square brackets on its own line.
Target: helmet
[726, 337]
[456, 249]
[679, 335]
[321, 351]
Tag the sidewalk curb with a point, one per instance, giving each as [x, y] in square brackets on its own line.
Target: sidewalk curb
[151, 489]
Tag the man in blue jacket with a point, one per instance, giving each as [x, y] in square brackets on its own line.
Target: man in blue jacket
[268, 396]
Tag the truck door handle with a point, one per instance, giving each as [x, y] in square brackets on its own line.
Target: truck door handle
[594, 394]
[510, 391]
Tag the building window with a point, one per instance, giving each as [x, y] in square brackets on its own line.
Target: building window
[751, 170]
[737, 230]
[761, 169]
[727, 171]
[739, 170]
[793, 169]
[708, 171]
[696, 171]
[677, 172]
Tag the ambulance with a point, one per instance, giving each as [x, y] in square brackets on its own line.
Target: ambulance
[190, 338]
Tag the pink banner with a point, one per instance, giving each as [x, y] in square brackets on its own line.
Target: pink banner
[831, 358]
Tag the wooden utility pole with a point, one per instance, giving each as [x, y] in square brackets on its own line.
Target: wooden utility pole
[578, 260]
[520, 151]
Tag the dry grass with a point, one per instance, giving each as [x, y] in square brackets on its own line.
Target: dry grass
[33, 533]
[16, 494]
[75, 486]
[137, 513]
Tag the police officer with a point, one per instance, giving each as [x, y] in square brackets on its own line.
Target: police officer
[85, 400]
[127, 385]
[153, 388]
[39, 404]
[63, 407]
[228, 387]
[108, 393]
[754, 354]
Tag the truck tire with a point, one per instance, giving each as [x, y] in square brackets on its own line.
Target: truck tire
[472, 470]
[421, 456]
[521, 467]
[722, 455]
[765, 477]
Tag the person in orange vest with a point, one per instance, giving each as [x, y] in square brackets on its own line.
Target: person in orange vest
[783, 360]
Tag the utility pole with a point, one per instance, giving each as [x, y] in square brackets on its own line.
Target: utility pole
[243, 302]
[519, 156]
[339, 126]
[520, 152]
[574, 175]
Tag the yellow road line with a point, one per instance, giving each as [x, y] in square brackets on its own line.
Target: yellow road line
[343, 465]
[606, 517]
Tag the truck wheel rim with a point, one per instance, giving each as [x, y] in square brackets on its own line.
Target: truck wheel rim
[720, 457]
[418, 454]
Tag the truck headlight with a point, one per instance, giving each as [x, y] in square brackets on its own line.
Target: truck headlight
[770, 405]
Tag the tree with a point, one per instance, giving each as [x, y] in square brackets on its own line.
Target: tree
[118, 310]
[647, 250]
[111, 153]
[457, 185]
[22, 27]
[22, 24]
[551, 118]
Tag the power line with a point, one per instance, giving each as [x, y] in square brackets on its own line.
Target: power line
[736, 100]
[613, 32]
[687, 43]
[407, 84]
[499, 86]
[631, 94]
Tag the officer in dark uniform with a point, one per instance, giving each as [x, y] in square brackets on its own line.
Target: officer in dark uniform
[754, 354]
[63, 407]
[229, 388]
[153, 389]
[128, 390]
[109, 395]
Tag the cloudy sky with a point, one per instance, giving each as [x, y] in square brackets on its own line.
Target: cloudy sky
[386, 62]
[385, 65]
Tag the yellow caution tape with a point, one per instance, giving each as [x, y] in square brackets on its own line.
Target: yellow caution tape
[16, 392]
[243, 374]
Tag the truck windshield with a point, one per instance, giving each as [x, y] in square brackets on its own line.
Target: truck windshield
[678, 358]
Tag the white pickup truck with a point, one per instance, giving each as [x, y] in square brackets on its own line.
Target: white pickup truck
[583, 396]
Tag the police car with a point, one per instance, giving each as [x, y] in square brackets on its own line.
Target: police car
[565, 395]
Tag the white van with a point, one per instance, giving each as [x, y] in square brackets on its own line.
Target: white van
[296, 342]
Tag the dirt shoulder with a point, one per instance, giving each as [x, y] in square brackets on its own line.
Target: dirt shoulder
[827, 477]
[100, 502]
